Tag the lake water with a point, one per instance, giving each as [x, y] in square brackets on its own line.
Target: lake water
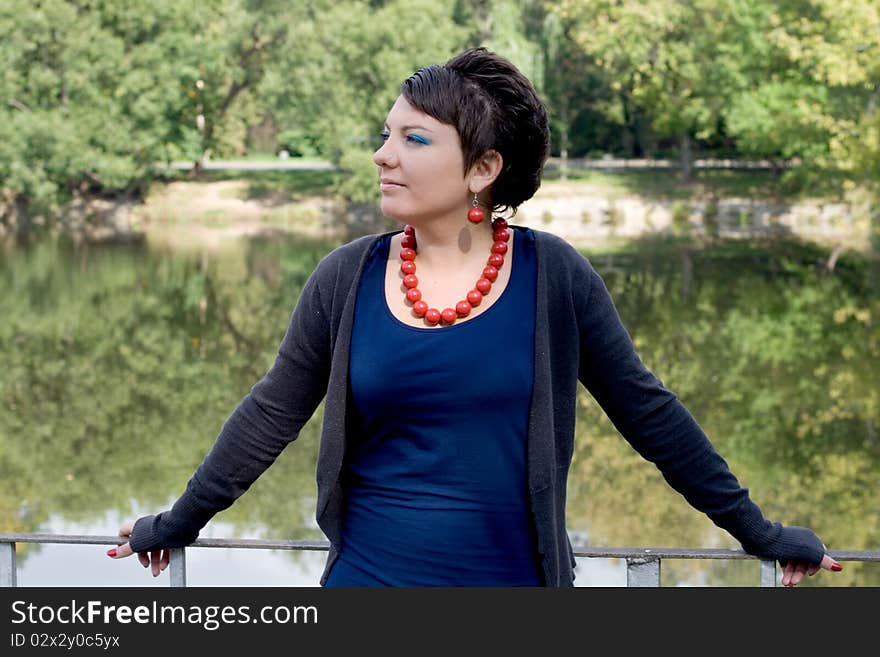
[119, 364]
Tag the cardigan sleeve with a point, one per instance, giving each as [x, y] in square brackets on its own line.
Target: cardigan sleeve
[268, 418]
[652, 419]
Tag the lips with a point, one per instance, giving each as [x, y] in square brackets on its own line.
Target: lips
[388, 186]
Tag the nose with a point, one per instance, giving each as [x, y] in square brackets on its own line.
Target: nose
[384, 155]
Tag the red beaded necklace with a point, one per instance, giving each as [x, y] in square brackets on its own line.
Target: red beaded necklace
[432, 316]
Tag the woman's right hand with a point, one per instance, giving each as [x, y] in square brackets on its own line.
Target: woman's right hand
[158, 559]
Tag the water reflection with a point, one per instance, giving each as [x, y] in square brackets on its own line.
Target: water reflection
[120, 364]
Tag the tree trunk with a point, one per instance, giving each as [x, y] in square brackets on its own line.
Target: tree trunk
[687, 157]
[563, 144]
[628, 137]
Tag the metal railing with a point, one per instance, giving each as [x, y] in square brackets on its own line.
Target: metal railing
[571, 163]
[642, 564]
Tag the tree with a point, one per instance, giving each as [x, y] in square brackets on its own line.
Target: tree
[340, 73]
[783, 80]
[95, 93]
[672, 62]
[814, 89]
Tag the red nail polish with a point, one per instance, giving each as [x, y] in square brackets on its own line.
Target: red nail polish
[111, 552]
[836, 567]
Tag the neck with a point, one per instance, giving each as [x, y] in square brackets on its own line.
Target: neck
[452, 245]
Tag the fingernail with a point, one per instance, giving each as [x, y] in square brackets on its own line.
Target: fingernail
[836, 567]
[111, 552]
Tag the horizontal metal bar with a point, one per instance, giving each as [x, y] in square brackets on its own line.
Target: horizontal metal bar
[579, 550]
[296, 164]
[646, 163]
[705, 553]
[254, 165]
[245, 543]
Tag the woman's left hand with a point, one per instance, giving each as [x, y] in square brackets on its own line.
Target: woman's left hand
[793, 571]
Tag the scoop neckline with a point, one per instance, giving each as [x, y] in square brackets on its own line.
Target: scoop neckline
[458, 323]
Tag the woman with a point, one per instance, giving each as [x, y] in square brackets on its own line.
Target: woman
[449, 355]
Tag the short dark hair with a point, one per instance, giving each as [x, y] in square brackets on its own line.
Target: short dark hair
[492, 105]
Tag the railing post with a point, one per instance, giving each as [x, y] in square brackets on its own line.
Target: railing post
[768, 573]
[7, 565]
[642, 571]
[177, 567]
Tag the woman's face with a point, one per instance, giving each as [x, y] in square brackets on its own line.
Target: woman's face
[420, 167]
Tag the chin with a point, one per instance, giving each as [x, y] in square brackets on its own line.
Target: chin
[389, 210]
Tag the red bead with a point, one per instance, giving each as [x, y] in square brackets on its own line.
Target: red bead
[475, 215]
[483, 286]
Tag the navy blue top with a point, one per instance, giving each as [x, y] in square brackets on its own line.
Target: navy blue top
[579, 337]
[435, 476]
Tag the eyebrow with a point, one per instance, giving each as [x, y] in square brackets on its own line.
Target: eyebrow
[414, 125]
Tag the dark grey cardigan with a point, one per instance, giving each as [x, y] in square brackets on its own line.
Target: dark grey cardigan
[578, 336]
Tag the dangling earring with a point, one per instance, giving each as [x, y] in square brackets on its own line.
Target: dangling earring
[475, 214]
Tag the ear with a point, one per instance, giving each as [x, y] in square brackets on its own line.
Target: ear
[484, 171]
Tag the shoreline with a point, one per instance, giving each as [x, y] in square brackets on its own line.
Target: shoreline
[208, 215]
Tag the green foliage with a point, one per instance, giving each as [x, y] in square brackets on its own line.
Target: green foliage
[358, 180]
[95, 94]
[350, 59]
[773, 120]
[783, 80]
[95, 97]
